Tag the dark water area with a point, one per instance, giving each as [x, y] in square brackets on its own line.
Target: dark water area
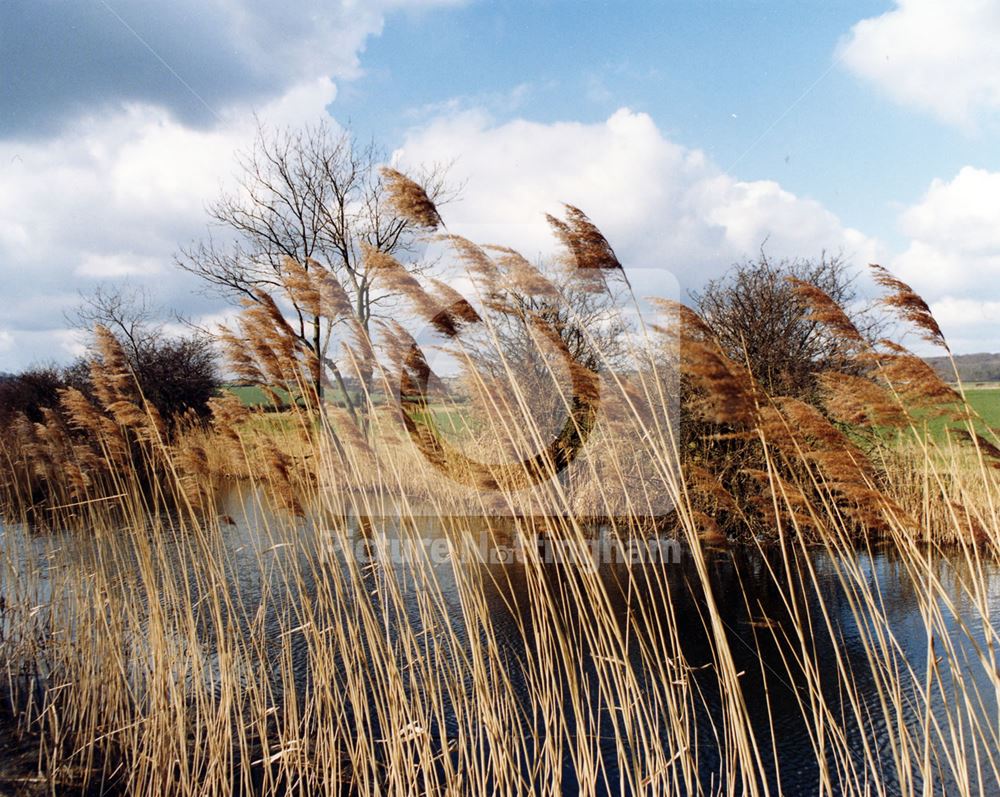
[758, 592]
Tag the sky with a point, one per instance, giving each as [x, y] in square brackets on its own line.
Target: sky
[692, 133]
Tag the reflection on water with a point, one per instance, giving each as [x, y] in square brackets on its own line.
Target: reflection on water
[753, 590]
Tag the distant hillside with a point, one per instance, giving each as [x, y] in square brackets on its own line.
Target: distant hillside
[971, 367]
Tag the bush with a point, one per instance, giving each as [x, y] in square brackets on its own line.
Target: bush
[32, 390]
[176, 375]
[761, 322]
[762, 326]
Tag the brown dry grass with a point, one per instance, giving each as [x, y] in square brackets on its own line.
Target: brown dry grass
[160, 679]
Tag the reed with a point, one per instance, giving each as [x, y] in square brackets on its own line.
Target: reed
[159, 640]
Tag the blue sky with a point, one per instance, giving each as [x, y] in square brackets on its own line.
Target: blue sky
[691, 132]
[724, 77]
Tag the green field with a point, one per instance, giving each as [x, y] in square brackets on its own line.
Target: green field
[985, 400]
[450, 420]
[253, 396]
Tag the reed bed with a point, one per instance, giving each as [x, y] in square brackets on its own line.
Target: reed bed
[159, 640]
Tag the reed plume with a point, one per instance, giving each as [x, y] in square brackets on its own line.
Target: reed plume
[301, 287]
[860, 402]
[110, 374]
[589, 248]
[394, 276]
[910, 306]
[724, 392]
[521, 276]
[180, 654]
[825, 311]
[409, 200]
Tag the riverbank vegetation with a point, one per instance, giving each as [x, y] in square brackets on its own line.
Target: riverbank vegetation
[153, 653]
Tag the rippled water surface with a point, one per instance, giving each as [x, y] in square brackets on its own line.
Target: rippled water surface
[756, 600]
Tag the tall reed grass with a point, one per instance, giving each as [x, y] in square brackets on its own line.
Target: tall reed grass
[155, 644]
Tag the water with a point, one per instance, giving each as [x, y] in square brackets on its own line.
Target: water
[756, 592]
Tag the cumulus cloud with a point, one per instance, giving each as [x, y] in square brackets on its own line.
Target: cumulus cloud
[662, 205]
[939, 57]
[192, 57]
[119, 264]
[953, 258]
[120, 121]
[114, 196]
[970, 325]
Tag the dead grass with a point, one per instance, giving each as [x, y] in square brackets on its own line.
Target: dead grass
[159, 678]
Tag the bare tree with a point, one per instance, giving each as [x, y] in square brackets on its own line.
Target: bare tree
[174, 372]
[314, 195]
[589, 322]
[125, 309]
[759, 320]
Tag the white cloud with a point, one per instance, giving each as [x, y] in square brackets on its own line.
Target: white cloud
[662, 205]
[41, 347]
[71, 342]
[208, 322]
[941, 57]
[115, 196]
[954, 233]
[318, 37]
[953, 258]
[120, 186]
[192, 57]
[970, 325]
[117, 265]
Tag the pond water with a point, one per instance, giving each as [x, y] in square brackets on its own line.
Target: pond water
[756, 591]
